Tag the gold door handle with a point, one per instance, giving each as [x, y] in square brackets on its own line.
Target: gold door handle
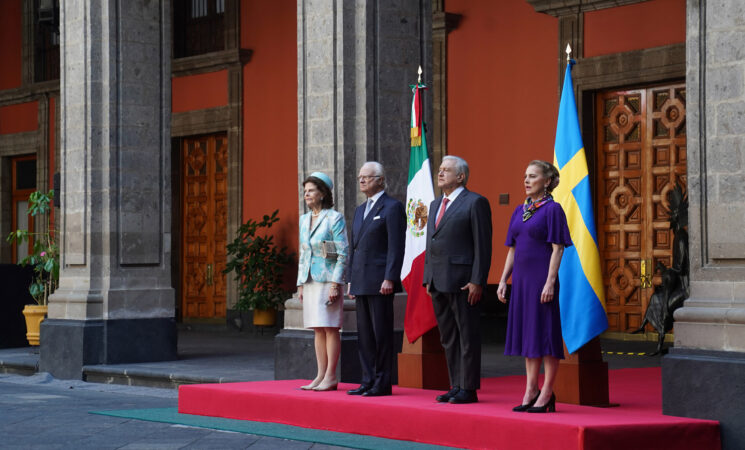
[646, 274]
[210, 275]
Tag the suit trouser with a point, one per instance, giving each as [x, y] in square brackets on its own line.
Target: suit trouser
[375, 339]
[460, 335]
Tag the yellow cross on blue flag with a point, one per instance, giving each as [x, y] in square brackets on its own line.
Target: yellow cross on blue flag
[582, 298]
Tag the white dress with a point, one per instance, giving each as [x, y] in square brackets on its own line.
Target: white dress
[315, 311]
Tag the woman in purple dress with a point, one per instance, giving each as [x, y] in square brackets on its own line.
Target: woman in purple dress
[536, 237]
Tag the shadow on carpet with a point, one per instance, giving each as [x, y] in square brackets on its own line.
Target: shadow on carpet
[171, 415]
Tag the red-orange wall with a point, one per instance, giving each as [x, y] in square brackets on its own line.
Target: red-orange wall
[270, 114]
[206, 90]
[635, 27]
[503, 86]
[10, 44]
[502, 100]
[19, 118]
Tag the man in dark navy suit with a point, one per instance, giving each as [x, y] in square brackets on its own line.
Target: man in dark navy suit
[376, 253]
[456, 267]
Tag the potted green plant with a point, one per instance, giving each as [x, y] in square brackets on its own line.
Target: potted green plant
[44, 258]
[258, 264]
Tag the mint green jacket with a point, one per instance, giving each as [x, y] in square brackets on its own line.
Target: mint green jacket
[329, 226]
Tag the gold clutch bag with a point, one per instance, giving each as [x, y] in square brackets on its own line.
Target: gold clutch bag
[328, 250]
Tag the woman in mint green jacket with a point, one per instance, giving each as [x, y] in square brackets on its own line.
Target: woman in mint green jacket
[321, 266]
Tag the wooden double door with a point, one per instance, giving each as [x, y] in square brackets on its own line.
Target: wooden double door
[204, 172]
[641, 155]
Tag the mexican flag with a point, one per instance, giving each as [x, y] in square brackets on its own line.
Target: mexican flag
[420, 315]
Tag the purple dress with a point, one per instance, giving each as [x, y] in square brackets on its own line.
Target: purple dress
[534, 328]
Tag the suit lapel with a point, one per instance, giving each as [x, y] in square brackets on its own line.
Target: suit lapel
[321, 216]
[432, 218]
[357, 224]
[371, 215]
[459, 200]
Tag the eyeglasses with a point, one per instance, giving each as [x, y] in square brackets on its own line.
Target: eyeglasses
[367, 177]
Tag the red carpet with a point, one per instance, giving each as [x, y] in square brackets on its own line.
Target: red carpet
[413, 414]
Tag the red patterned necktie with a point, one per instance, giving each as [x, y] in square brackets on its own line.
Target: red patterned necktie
[442, 211]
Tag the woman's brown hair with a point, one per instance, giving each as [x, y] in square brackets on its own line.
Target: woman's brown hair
[327, 198]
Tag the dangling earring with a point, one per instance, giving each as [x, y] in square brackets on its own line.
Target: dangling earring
[545, 191]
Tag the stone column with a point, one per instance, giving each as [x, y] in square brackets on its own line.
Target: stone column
[356, 60]
[442, 24]
[704, 374]
[115, 303]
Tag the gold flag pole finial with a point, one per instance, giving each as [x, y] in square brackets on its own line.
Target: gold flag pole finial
[569, 52]
[419, 79]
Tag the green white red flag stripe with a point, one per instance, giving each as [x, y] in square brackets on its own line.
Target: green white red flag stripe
[420, 315]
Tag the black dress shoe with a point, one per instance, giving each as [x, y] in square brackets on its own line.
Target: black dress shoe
[377, 392]
[464, 396]
[444, 398]
[359, 391]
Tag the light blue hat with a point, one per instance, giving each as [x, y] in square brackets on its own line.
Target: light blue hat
[325, 178]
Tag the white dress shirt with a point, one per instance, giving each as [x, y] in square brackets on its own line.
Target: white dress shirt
[374, 199]
[451, 198]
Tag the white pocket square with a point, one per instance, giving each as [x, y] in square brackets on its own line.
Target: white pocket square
[376, 217]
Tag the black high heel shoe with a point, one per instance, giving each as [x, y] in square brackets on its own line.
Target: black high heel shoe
[548, 407]
[523, 408]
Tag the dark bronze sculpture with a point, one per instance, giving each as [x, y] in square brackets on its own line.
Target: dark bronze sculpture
[674, 289]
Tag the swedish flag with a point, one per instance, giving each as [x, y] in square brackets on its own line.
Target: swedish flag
[582, 298]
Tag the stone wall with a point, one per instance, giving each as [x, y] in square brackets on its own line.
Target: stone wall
[704, 374]
[115, 302]
[356, 61]
[714, 317]
[115, 139]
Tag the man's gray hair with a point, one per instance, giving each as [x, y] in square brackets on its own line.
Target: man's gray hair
[461, 167]
[377, 170]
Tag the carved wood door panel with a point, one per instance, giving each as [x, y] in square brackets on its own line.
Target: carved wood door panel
[641, 154]
[204, 220]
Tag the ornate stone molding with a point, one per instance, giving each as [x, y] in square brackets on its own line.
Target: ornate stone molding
[444, 21]
[210, 62]
[558, 8]
[19, 143]
[634, 67]
[29, 93]
[202, 121]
